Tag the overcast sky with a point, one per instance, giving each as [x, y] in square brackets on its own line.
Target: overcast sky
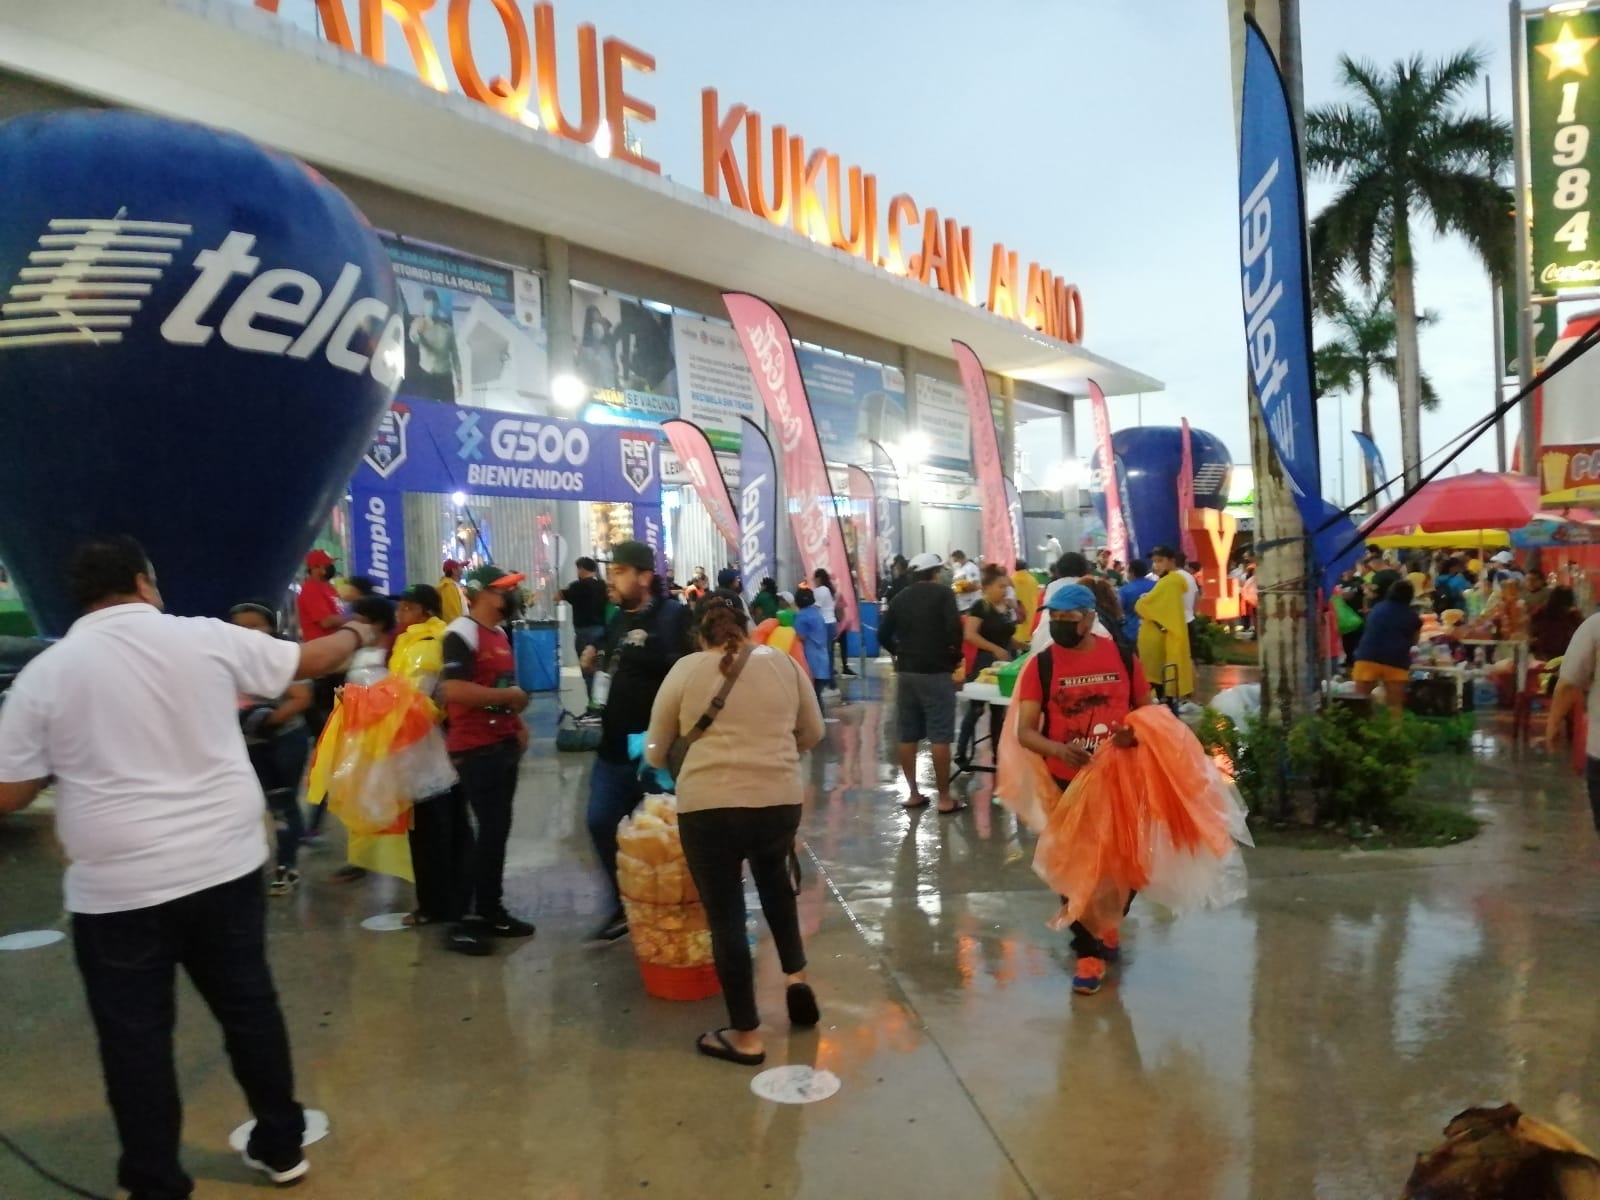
[1093, 135]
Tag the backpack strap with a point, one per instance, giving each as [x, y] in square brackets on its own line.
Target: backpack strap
[1126, 650]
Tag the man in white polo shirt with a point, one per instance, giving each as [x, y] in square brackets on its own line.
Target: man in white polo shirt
[134, 716]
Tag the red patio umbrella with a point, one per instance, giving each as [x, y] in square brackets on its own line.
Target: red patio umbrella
[1477, 500]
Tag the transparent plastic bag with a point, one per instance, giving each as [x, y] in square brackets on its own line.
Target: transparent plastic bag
[425, 767]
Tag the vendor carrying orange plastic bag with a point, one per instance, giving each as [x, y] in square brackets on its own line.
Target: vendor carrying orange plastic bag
[1070, 698]
[1144, 812]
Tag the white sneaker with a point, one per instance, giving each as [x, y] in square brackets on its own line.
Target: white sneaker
[281, 1178]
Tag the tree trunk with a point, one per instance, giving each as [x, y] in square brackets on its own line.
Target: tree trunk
[1408, 369]
[1287, 622]
[1366, 428]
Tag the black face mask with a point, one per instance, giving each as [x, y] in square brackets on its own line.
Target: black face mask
[1065, 634]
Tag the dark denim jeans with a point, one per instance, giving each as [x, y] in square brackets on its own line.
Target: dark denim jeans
[488, 784]
[128, 961]
[279, 763]
[614, 791]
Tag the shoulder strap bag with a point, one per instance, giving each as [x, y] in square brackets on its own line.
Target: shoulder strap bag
[679, 750]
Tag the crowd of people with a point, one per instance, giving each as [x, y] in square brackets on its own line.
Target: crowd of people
[198, 720]
[1389, 606]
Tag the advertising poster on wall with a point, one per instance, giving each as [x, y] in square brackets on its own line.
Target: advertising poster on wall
[853, 403]
[474, 330]
[715, 387]
[624, 354]
[942, 415]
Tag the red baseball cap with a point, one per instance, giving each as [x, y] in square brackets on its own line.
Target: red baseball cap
[451, 564]
[319, 558]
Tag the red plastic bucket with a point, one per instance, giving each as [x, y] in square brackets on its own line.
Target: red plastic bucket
[680, 983]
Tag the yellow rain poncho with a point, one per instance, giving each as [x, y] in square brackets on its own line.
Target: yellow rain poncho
[1164, 634]
[382, 749]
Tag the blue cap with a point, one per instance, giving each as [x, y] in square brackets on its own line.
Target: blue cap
[1072, 598]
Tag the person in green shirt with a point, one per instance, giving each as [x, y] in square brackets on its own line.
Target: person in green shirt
[764, 604]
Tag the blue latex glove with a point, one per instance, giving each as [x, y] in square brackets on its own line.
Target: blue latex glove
[653, 777]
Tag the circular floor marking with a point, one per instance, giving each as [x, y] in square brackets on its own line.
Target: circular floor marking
[795, 1085]
[32, 939]
[316, 1130]
[386, 922]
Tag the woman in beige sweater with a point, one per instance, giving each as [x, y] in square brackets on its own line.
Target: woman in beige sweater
[739, 798]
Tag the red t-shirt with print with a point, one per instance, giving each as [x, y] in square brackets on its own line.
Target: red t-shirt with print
[478, 654]
[1089, 694]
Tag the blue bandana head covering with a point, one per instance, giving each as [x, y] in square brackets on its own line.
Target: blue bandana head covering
[1072, 598]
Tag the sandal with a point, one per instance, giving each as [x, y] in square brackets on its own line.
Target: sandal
[725, 1050]
[803, 1011]
[959, 806]
[915, 800]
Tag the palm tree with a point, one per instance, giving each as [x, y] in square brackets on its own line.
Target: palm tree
[1363, 347]
[1401, 150]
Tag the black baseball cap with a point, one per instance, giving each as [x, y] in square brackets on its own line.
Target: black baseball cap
[634, 554]
[425, 595]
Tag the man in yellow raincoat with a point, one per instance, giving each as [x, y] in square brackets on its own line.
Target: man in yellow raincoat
[1164, 629]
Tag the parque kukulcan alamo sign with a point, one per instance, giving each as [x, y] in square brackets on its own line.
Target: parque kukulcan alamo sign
[777, 178]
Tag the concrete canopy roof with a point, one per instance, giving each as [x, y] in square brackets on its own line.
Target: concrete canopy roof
[263, 76]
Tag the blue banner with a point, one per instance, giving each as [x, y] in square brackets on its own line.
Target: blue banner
[1369, 450]
[887, 481]
[758, 507]
[422, 446]
[1275, 281]
[377, 537]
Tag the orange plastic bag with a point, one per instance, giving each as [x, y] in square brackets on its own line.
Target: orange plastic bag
[1158, 818]
[1022, 781]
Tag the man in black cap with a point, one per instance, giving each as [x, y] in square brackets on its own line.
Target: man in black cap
[730, 586]
[646, 636]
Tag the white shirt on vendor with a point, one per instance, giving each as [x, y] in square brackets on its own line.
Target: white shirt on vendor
[135, 714]
[968, 583]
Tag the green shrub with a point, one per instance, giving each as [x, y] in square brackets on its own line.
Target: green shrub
[1209, 642]
[1350, 769]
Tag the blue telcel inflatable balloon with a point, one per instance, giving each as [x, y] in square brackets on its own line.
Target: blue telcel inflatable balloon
[1149, 459]
[198, 337]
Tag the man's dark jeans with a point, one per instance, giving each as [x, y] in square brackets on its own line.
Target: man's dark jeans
[615, 790]
[488, 783]
[128, 961]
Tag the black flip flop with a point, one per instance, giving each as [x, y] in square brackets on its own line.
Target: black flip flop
[725, 1050]
[961, 806]
[803, 1011]
[919, 802]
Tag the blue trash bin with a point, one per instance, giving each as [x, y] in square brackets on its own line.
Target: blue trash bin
[868, 611]
[537, 650]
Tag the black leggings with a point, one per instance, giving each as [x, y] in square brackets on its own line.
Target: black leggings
[717, 842]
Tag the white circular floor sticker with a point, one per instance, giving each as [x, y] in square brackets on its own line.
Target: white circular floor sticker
[386, 923]
[795, 1085]
[32, 939]
[316, 1130]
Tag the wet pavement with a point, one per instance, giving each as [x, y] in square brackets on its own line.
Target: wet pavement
[1305, 1043]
